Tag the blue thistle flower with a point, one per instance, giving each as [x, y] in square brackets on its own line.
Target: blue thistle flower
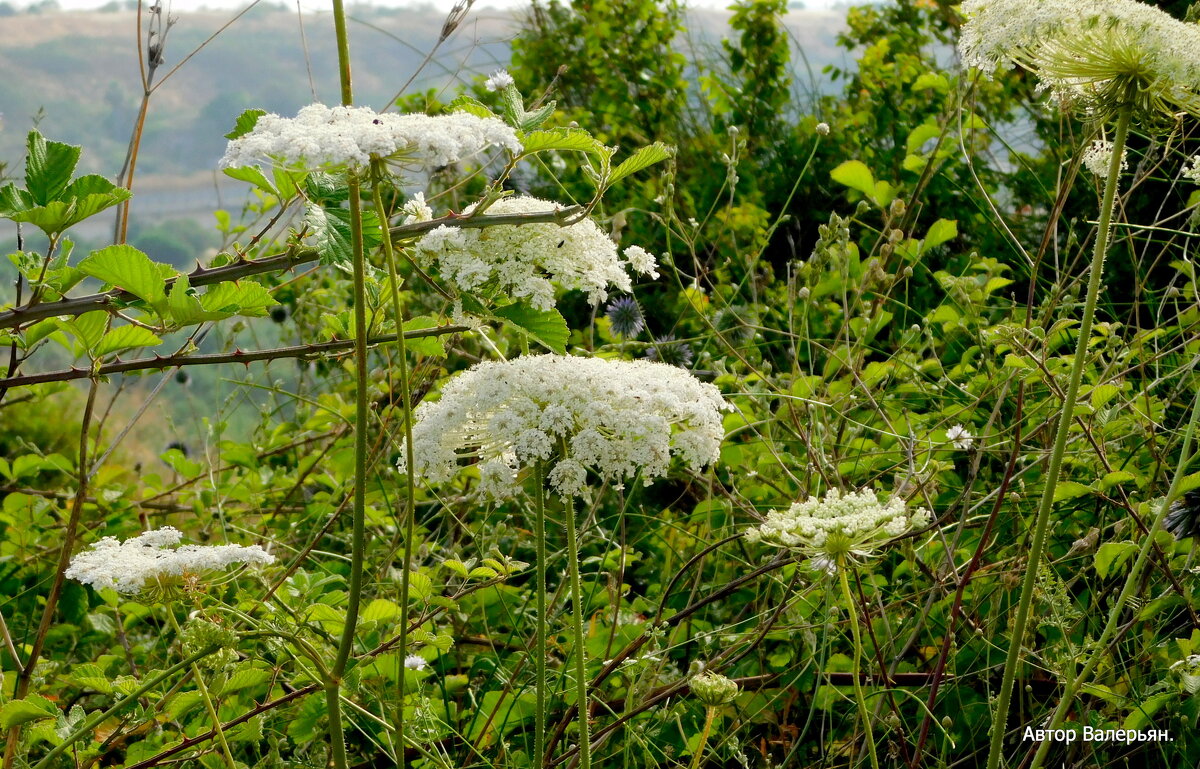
[625, 315]
[667, 350]
[1183, 519]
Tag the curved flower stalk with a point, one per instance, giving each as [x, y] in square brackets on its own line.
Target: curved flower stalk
[128, 566]
[839, 532]
[349, 137]
[1116, 61]
[525, 261]
[559, 417]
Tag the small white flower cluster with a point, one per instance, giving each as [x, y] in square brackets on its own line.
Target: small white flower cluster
[499, 80]
[127, 566]
[960, 437]
[1192, 170]
[1046, 36]
[1098, 156]
[517, 258]
[839, 525]
[337, 137]
[415, 662]
[572, 414]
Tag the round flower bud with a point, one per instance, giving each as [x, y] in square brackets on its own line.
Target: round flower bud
[714, 689]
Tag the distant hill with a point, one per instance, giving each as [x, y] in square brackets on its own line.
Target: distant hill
[77, 74]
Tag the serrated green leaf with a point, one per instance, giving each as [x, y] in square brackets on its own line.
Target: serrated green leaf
[381, 610]
[563, 140]
[86, 330]
[1116, 477]
[126, 267]
[330, 230]
[427, 345]
[245, 678]
[420, 586]
[245, 123]
[1111, 555]
[471, 106]
[91, 676]
[125, 338]
[245, 298]
[546, 326]
[184, 306]
[919, 136]
[33, 707]
[251, 175]
[14, 199]
[48, 167]
[532, 120]
[182, 702]
[1102, 394]
[456, 566]
[513, 105]
[482, 573]
[644, 157]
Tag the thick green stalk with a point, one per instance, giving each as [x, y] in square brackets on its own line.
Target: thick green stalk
[333, 685]
[410, 474]
[856, 661]
[710, 713]
[539, 643]
[1014, 661]
[581, 696]
[226, 753]
[1099, 649]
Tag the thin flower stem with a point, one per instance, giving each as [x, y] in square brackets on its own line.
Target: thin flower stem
[1014, 661]
[1100, 648]
[204, 695]
[337, 737]
[539, 643]
[856, 660]
[709, 714]
[410, 473]
[581, 695]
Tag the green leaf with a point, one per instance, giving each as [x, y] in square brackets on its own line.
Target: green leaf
[1111, 555]
[855, 175]
[420, 586]
[427, 345]
[939, 232]
[381, 610]
[185, 308]
[86, 329]
[563, 140]
[251, 175]
[125, 267]
[1116, 477]
[14, 200]
[471, 106]
[245, 123]
[1069, 490]
[125, 338]
[546, 326]
[246, 298]
[644, 157]
[48, 167]
[33, 707]
[329, 228]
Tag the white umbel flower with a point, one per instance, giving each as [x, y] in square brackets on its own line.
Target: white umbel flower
[960, 437]
[571, 414]
[127, 566]
[415, 662]
[1083, 49]
[523, 260]
[348, 137]
[1192, 169]
[838, 526]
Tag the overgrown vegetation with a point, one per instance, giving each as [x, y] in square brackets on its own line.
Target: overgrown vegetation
[800, 493]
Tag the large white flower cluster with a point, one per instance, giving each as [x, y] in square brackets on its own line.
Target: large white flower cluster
[1072, 44]
[522, 260]
[839, 525]
[127, 566]
[572, 414]
[335, 137]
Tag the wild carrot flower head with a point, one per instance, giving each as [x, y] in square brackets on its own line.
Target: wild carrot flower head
[127, 566]
[570, 414]
[523, 260]
[838, 526]
[1096, 54]
[348, 137]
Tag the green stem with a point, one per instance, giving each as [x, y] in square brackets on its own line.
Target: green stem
[410, 473]
[204, 695]
[581, 697]
[337, 737]
[1013, 661]
[539, 643]
[709, 713]
[859, 697]
[129, 700]
[1127, 590]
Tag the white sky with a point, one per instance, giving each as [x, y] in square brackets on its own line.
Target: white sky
[183, 5]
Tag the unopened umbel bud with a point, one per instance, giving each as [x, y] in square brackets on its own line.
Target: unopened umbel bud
[714, 689]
